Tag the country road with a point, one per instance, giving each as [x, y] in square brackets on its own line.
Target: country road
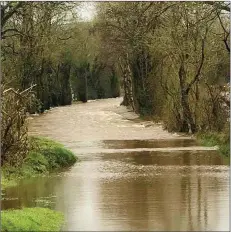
[133, 175]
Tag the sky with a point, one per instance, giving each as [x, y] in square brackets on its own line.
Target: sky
[87, 11]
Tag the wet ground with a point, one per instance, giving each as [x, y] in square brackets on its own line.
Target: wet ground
[133, 175]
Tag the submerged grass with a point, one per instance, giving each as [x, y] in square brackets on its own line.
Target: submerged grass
[31, 219]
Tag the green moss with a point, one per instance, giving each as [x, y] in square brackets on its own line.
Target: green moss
[222, 140]
[31, 219]
[44, 156]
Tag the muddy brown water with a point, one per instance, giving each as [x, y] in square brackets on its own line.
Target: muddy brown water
[133, 175]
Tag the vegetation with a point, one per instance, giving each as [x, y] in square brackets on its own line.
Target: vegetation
[14, 141]
[45, 45]
[26, 49]
[170, 58]
[222, 140]
[31, 219]
[174, 60]
[44, 156]
[93, 74]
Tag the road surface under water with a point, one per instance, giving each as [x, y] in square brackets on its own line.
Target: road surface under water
[133, 175]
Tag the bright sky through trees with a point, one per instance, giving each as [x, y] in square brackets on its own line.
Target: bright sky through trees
[87, 11]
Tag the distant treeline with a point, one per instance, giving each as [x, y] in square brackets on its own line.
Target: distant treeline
[43, 47]
[174, 60]
[171, 59]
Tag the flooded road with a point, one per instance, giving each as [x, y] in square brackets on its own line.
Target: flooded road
[132, 176]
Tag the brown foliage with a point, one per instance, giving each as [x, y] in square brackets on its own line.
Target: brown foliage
[14, 142]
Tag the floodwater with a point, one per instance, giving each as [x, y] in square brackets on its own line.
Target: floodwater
[133, 175]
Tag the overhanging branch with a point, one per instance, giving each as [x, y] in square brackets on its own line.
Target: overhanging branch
[219, 5]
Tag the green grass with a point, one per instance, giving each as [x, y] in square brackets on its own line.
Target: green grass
[222, 140]
[31, 219]
[47, 155]
[44, 156]
[7, 182]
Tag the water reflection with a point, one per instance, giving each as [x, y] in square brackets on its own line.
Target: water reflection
[129, 144]
[180, 158]
[135, 191]
[164, 182]
[166, 202]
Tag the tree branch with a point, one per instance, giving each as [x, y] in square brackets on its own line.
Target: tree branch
[226, 33]
[226, 43]
[5, 16]
[69, 37]
[219, 5]
[197, 76]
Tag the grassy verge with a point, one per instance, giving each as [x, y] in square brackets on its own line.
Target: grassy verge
[31, 219]
[222, 140]
[44, 156]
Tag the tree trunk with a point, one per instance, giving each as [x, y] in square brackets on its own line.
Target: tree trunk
[66, 97]
[188, 124]
[128, 84]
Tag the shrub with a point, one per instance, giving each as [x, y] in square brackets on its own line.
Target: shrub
[14, 143]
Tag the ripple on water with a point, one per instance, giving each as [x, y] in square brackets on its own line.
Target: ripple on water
[162, 182]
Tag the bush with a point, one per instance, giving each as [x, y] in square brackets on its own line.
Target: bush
[14, 143]
[31, 219]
